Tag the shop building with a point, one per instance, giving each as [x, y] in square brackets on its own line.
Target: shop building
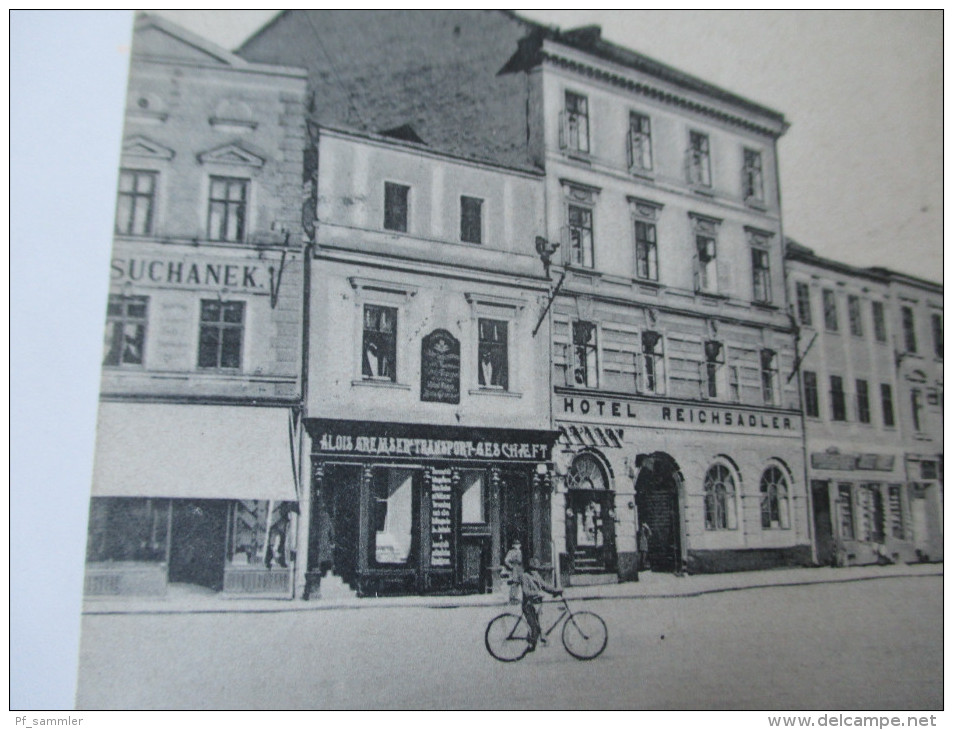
[427, 416]
[871, 377]
[195, 476]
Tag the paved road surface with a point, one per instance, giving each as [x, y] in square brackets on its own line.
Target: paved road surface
[872, 645]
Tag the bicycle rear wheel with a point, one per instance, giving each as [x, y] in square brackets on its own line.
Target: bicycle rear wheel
[585, 635]
[507, 637]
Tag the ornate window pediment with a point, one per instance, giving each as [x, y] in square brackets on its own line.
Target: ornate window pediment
[231, 154]
[140, 146]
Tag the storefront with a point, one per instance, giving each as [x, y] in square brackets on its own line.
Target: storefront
[200, 496]
[711, 487]
[409, 508]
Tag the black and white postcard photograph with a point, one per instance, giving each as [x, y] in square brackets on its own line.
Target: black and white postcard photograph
[484, 360]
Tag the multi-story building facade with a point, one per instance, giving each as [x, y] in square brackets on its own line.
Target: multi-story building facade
[200, 402]
[870, 369]
[669, 330]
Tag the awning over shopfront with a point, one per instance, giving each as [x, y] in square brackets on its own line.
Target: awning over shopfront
[193, 451]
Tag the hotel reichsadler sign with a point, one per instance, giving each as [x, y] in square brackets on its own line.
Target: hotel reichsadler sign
[721, 417]
[419, 441]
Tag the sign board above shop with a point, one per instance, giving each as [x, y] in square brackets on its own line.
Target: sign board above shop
[191, 272]
[423, 441]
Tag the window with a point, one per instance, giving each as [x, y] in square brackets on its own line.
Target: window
[752, 177]
[880, 322]
[471, 219]
[396, 206]
[580, 236]
[916, 408]
[227, 209]
[392, 516]
[863, 402]
[646, 251]
[830, 310]
[125, 330]
[640, 142]
[909, 329]
[769, 377]
[719, 499]
[258, 535]
[586, 371]
[761, 275]
[706, 272]
[699, 160]
[575, 127]
[886, 404]
[811, 406]
[774, 500]
[845, 511]
[653, 375]
[803, 293]
[870, 507]
[714, 359]
[127, 529]
[838, 408]
[936, 324]
[136, 202]
[853, 315]
[493, 369]
[895, 509]
[379, 359]
[471, 497]
[220, 334]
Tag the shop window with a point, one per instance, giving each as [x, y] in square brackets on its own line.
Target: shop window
[258, 533]
[811, 405]
[886, 404]
[853, 315]
[714, 360]
[392, 512]
[936, 324]
[803, 294]
[895, 510]
[752, 177]
[646, 251]
[574, 129]
[653, 363]
[580, 236]
[830, 310]
[838, 403]
[135, 204]
[845, 511]
[761, 275]
[909, 329]
[720, 498]
[471, 219]
[220, 334]
[770, 377]
[916, 409]
[227, 209]
[699, 159]
[880, 321]
[472, 501]
[863, 401]
[775, 513]
[379, 359]
[396, 206]
[640, 142]
[585, 354]
[127, 529]
[125, 330]
[870, 510]
[494, 366]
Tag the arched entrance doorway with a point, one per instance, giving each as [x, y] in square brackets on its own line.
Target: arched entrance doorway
[590, 517]
[657, 497]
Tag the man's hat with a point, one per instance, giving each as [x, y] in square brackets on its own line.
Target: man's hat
[516, 543]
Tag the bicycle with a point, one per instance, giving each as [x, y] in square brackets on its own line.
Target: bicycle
[584, 634]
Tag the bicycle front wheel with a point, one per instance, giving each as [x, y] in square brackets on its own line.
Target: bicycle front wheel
[585, 635]
[507, 637]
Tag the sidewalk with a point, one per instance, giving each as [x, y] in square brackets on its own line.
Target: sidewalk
[650, 585]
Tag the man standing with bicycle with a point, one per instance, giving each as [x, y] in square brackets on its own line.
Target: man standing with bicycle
[533, 586]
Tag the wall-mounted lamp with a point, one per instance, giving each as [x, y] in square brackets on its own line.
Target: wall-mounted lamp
[545, 249]
[630, 504]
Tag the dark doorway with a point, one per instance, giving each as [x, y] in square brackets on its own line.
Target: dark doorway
[590, 519]
[657, 488]
[197, 548]
[515, 514]
[823, 526]
[342, 501]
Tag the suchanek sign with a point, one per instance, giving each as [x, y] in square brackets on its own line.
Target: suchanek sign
[189, 273]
